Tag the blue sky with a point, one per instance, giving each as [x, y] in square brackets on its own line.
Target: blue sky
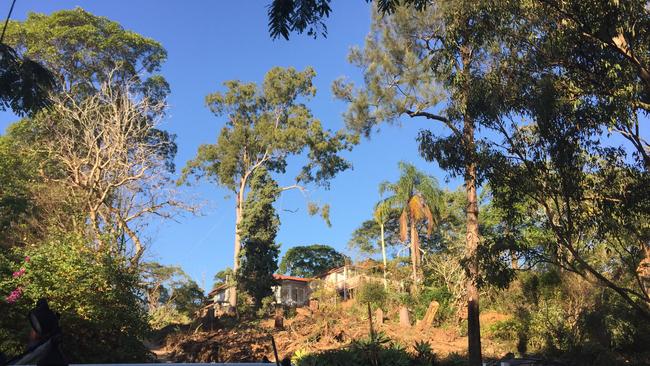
[209, 42]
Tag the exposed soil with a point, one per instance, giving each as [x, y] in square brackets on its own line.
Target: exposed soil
[250, 341]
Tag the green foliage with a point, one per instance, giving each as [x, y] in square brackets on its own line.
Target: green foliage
[188, 298]
[505, 330]
[299, 16]
[424, 353]
[311, 260]
[267, 307]
[367, 237]
[165, 315]
[559, 313]
[260, 221]
[97, 295]
[258, 228]
[443, 296]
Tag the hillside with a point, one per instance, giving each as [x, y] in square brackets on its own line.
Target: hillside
[309, 331]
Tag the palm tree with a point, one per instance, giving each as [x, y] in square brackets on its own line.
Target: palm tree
[418, 198]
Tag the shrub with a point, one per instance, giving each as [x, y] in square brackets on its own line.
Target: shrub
[440, 294]
[102, 315]
[372, 292]
[505, 330]
[267, 308]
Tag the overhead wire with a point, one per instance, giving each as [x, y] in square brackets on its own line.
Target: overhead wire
[2, 37]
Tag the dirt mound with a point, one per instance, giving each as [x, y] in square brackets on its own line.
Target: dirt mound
[247, 343]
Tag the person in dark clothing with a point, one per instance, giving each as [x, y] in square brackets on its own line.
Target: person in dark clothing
[44, 347]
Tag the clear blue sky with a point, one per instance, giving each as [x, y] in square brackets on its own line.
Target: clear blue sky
[209, 42]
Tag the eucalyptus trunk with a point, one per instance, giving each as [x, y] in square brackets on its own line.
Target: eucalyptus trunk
[239, 209]
[472, 236]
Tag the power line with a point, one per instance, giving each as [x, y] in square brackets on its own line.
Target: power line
[2, 37]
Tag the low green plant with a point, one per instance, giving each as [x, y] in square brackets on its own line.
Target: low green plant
[375, 351]
[505, 330]
[424, 352]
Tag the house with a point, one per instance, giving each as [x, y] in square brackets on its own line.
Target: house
[346, 279]
[289, 291]
[219, 295]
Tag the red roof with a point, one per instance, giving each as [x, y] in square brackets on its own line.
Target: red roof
[290, 278]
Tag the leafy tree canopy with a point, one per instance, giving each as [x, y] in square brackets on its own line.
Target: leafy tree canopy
[265, 126]
[311, 260]
[83, 49]
[222, 277]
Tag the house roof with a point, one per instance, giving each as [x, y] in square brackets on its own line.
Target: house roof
[330, 271]
[215, 290]
[366, 264]
[278, 277]
[290, 278]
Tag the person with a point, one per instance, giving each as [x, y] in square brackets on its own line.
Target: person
[44, 347]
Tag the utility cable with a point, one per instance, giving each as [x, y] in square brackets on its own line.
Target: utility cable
[2, 37]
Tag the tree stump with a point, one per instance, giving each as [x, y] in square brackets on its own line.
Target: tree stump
[404, 317]
[210, 318]
[379, 316]
[430, 315]
[313, 305]
[279, 318]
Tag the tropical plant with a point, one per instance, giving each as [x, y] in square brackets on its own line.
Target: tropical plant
[417, 196]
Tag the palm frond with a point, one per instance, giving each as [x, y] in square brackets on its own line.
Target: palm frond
[24, 84]
[280, 12]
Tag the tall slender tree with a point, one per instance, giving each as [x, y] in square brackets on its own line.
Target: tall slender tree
[381, 215]
[413, 61]
[266, 125]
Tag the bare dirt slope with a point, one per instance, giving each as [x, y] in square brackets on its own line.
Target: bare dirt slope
[249, 341]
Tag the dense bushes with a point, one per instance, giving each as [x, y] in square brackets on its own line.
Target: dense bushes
[102, 314]
[561, 314]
